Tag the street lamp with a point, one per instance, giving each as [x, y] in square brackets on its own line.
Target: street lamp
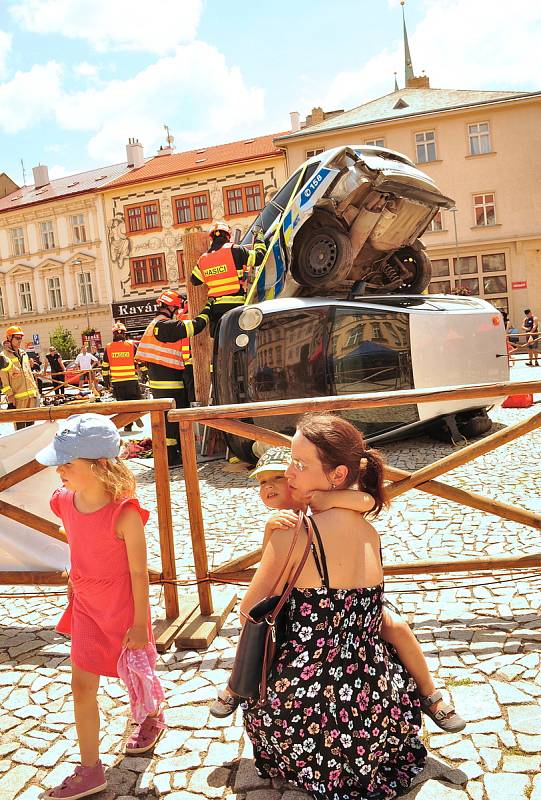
[453, 211]
[83, 287]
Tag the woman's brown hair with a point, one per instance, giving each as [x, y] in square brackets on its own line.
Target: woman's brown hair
[338, 442]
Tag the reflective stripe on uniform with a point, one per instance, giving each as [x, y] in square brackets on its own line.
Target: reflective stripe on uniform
[29, 393]
[171, 442]
[155, 384]
[188, 324]
[230, 299]
[8, 368]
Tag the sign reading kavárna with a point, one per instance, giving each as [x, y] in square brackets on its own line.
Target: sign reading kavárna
[135, 314]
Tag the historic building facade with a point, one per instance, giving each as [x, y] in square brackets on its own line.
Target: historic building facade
[148, 211]
[53, 256]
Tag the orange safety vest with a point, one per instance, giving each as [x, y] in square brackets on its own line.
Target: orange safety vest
[119, 356]
[167, 354]
[185, 343]
[220, 272]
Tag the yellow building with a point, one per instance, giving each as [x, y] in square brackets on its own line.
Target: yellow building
[148, 211]
[53, 256]
[482, 149]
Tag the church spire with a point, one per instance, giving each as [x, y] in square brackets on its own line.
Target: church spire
[395, 83]
[408, 66]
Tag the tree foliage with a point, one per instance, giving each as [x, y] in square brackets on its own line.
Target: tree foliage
[63, 340]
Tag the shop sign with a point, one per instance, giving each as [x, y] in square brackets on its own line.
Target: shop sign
[519, 285]
[93, 338]
[135, 314]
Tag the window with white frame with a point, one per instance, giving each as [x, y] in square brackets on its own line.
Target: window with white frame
[425, 144]
[54, 292]
[2, 307]
[479, 136]
[485, 275]
[25, 296]
[376, 142]
[436, 224]
[316, 152]
[47, 235]
[86, 293]
[484, 209]
[78, 228]
[17, 241]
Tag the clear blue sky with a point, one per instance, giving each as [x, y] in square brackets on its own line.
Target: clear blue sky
[78, 77]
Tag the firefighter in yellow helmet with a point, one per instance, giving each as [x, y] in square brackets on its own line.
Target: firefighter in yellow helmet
[18, 382]
[118, 368]
[224, 268]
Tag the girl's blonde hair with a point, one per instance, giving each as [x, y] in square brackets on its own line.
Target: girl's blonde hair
[117, 479]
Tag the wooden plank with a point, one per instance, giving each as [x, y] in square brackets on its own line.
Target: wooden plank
[40, 524]
[197, 529]
[347, 401]
[481, 564]
[239, 563]
[165, 519]
[195, 243]
[471, 499]
[20, 474]
[62, 412]
[464, 455]
[12, 578]
[166, 630]
[233, 576]
[200, 630]
[249, 431]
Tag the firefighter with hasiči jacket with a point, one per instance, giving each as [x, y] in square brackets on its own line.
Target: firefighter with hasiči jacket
[224, 268]
[18, 382]
[165, 363]
[118, 368]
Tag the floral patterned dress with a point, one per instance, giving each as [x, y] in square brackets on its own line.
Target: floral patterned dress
[341, 714]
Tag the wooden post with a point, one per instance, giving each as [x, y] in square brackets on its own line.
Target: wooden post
[195, 244]
[197, 529]
[165, 520]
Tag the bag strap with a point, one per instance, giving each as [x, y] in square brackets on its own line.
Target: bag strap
[303, 519]
[293, 543]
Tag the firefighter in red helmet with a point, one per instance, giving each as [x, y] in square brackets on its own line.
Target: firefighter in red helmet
[118, 368]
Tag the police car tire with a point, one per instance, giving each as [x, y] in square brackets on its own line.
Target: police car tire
[423, 269]
[475, 425]
[320, 241]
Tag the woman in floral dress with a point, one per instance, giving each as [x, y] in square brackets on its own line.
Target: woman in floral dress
[341, 715]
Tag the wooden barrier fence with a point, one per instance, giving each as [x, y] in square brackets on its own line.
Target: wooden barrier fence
[228, 418]
[121, 413]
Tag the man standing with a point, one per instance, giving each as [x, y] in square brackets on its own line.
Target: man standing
[118, 368]
[165, 365]
[86, 362]
[18, 382]
[531, 326]
[57, 369]
[224, 268]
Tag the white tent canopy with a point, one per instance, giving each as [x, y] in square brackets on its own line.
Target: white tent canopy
[21, 548]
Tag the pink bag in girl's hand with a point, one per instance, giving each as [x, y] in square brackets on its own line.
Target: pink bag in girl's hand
[136, 668]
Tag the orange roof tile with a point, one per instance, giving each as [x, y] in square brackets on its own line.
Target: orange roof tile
[202, 159]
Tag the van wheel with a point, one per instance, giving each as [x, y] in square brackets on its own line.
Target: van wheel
[474, 426]
[322, 255]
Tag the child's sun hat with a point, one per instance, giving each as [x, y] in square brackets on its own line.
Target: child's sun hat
[275, 459]
[89, 436]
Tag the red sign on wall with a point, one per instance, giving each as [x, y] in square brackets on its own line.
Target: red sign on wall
[519, 285]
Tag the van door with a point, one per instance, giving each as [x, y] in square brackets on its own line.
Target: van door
[369, 351]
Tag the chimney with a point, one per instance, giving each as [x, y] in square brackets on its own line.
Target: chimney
[41, 176]
[295, 121]
[134, 153]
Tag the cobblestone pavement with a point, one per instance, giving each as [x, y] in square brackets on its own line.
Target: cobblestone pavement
[481, 635]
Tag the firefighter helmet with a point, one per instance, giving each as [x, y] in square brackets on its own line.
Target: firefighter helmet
[14, 330]
[170, 298]
[220, 228]
[119, 327]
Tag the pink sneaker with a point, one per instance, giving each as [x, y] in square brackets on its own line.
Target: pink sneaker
[83, 782]
[145, 735]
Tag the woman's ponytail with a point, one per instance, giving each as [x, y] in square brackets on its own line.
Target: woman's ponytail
[371, 479]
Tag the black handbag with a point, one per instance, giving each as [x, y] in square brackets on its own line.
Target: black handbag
[265, 629]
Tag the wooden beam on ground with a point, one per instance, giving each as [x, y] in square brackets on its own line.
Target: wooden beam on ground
[464, 455]
[200, 630]
[239, 563]
[197, 529]
[167, 630]
[40, 524]
[471, 499]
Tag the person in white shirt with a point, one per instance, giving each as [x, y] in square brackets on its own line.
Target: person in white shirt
[84, 361]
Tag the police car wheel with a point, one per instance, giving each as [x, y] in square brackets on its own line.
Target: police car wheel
[322, 256]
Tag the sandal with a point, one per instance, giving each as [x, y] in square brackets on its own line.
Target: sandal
[145, 735]
[83, 782]
[224, 705]
[445, 716]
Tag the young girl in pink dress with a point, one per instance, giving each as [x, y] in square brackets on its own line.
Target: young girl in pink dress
[108, 608]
